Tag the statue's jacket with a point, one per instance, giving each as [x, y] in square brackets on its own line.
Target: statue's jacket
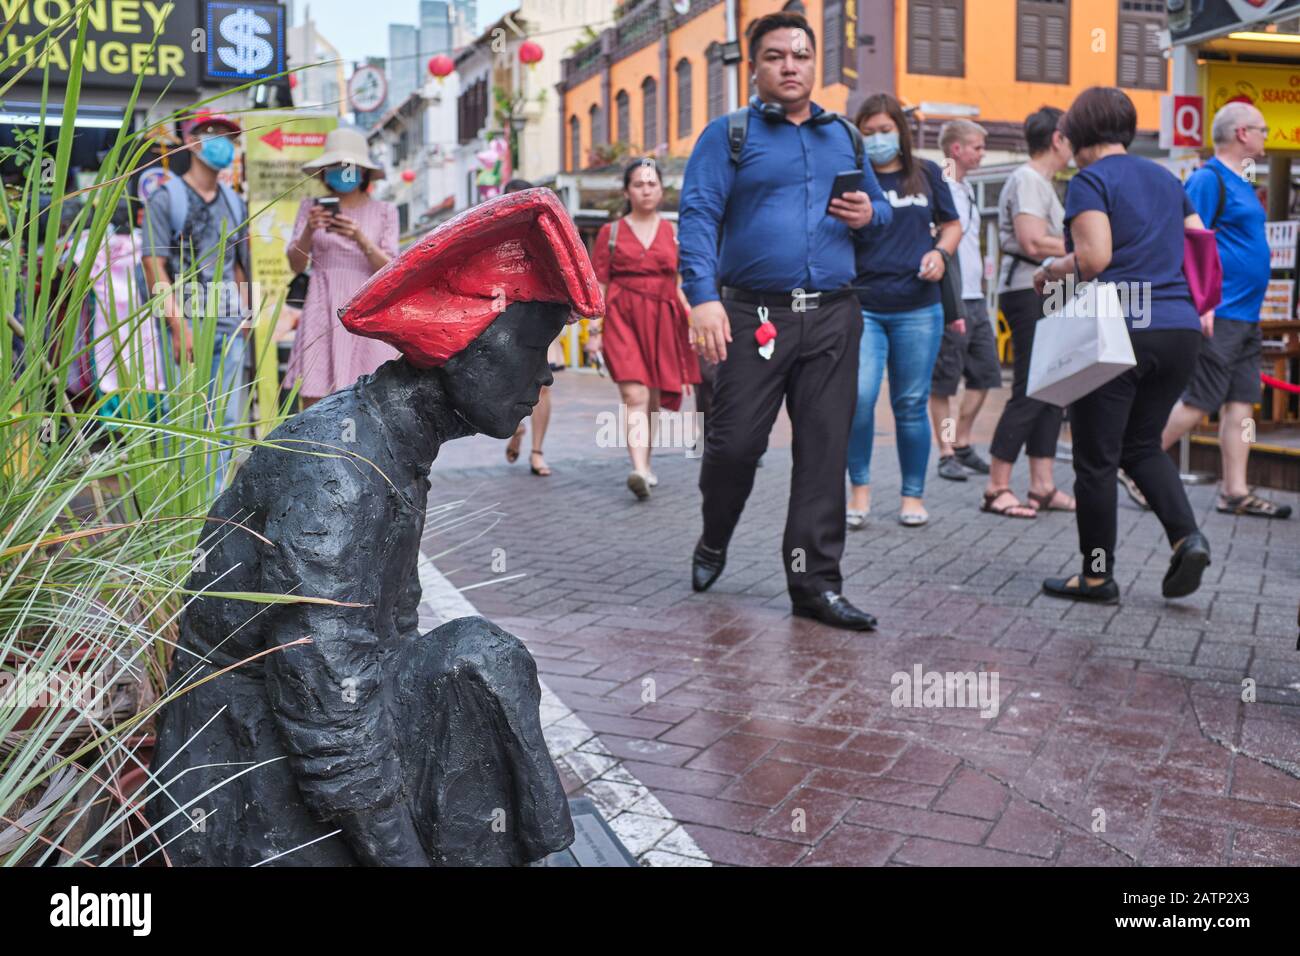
[264, 761]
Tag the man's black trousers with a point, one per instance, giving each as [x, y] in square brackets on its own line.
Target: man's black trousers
[815, 370]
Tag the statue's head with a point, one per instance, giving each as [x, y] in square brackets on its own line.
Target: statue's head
[496, 380]
[481, 297]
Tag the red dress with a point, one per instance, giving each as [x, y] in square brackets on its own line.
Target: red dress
[646, 330]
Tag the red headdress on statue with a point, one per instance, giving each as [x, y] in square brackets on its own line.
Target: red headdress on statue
[437, 296]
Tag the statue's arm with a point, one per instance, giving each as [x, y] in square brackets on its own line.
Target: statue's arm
[327, 696]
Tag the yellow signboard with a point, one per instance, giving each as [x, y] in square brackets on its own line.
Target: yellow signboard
[276, 144]
[1275, 90]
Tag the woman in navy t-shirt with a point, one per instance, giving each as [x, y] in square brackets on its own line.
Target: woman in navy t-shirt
[902, 312]
[1125, 218]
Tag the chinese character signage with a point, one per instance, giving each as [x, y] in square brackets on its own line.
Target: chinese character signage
[1281, 244]
[245, 41]
[1275, 90]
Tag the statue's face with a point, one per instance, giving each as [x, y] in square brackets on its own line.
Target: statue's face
[496, 380]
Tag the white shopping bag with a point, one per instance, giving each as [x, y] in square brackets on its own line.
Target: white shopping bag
[1080, 347]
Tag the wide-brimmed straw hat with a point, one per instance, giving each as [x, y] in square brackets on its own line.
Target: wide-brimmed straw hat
[344, 146]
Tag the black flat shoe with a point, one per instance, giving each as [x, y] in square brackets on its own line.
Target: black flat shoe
[1105, 593]
[706, 566]
[1189, 562]
[835, 610]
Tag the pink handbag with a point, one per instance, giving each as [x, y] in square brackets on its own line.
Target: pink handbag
[1202, 267]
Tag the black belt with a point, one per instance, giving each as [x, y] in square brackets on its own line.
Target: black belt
[786, 300]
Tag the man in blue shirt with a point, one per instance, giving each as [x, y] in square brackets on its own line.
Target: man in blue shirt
[1227, 370]
[767, 263]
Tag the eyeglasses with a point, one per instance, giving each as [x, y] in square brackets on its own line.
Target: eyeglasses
[1262, 129]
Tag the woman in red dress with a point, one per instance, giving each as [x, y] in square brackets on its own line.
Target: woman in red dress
[645, 336]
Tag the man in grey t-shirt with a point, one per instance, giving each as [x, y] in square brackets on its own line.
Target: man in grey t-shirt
[186, 243]
[968, 352]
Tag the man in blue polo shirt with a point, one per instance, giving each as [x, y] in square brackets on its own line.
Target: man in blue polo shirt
[1227, 370]
[767, 263]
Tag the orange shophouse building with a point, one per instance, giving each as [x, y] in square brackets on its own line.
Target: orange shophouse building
[655, 78]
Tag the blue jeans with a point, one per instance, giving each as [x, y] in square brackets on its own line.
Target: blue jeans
[229, 379]
[908, 342]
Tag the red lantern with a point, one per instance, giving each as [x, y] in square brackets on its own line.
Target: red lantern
[408, 175]
[441, 66]
[530, 53]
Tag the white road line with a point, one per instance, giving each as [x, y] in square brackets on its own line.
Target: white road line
[644, 824]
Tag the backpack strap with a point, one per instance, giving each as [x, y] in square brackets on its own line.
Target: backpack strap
[855, 137]
[178, 203]
[1223, 195]
[737, 131]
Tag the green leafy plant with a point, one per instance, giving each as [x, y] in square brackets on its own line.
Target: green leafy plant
[103, 503]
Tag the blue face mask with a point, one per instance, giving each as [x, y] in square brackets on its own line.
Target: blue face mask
[882, 148]
[342, 180]
[217, 151]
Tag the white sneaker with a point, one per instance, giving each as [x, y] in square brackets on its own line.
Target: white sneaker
[652, 479]
[639, 485]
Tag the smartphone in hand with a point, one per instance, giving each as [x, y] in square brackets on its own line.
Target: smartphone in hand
[846, 182]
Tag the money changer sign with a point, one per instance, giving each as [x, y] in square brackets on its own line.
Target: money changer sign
[119, 42]
[245, 41]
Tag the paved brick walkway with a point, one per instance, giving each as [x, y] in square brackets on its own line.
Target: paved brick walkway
[1120, 736]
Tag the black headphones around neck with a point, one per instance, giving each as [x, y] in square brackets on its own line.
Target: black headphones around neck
[775, 112]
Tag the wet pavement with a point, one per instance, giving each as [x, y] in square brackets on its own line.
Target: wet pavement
[1113, 735]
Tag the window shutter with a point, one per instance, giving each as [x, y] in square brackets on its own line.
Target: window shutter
[1140, 61]
[624, 121]
[683, 97]
[921, 28]
[950, 36]
[1043, 41]
[649, 115]
[575, 143]
[832, 42]
[713, 80]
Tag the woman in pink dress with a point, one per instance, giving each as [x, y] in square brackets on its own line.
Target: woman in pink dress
[343, 248]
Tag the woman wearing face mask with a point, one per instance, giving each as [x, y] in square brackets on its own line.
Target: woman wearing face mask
[343, 247]
[899, 267]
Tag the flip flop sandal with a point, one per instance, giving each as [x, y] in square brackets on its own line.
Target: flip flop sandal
[1006, 510]
[1250, 504]
[1044, 501]
[1134, 492]
[544, 471]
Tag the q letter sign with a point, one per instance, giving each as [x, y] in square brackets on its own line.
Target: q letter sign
[1182, 124]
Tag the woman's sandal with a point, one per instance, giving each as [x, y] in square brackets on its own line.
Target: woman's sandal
[512, 446]
[1251, 504]
[542, 472]
[1007, 511]
[1044, 501]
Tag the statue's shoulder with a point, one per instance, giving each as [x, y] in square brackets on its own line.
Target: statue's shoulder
[333, 448]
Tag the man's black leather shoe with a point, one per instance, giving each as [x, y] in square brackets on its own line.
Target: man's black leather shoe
[1191, 558]
[835, 610]
[706, 566]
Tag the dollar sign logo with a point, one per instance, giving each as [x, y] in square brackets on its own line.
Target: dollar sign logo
[248, 52]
